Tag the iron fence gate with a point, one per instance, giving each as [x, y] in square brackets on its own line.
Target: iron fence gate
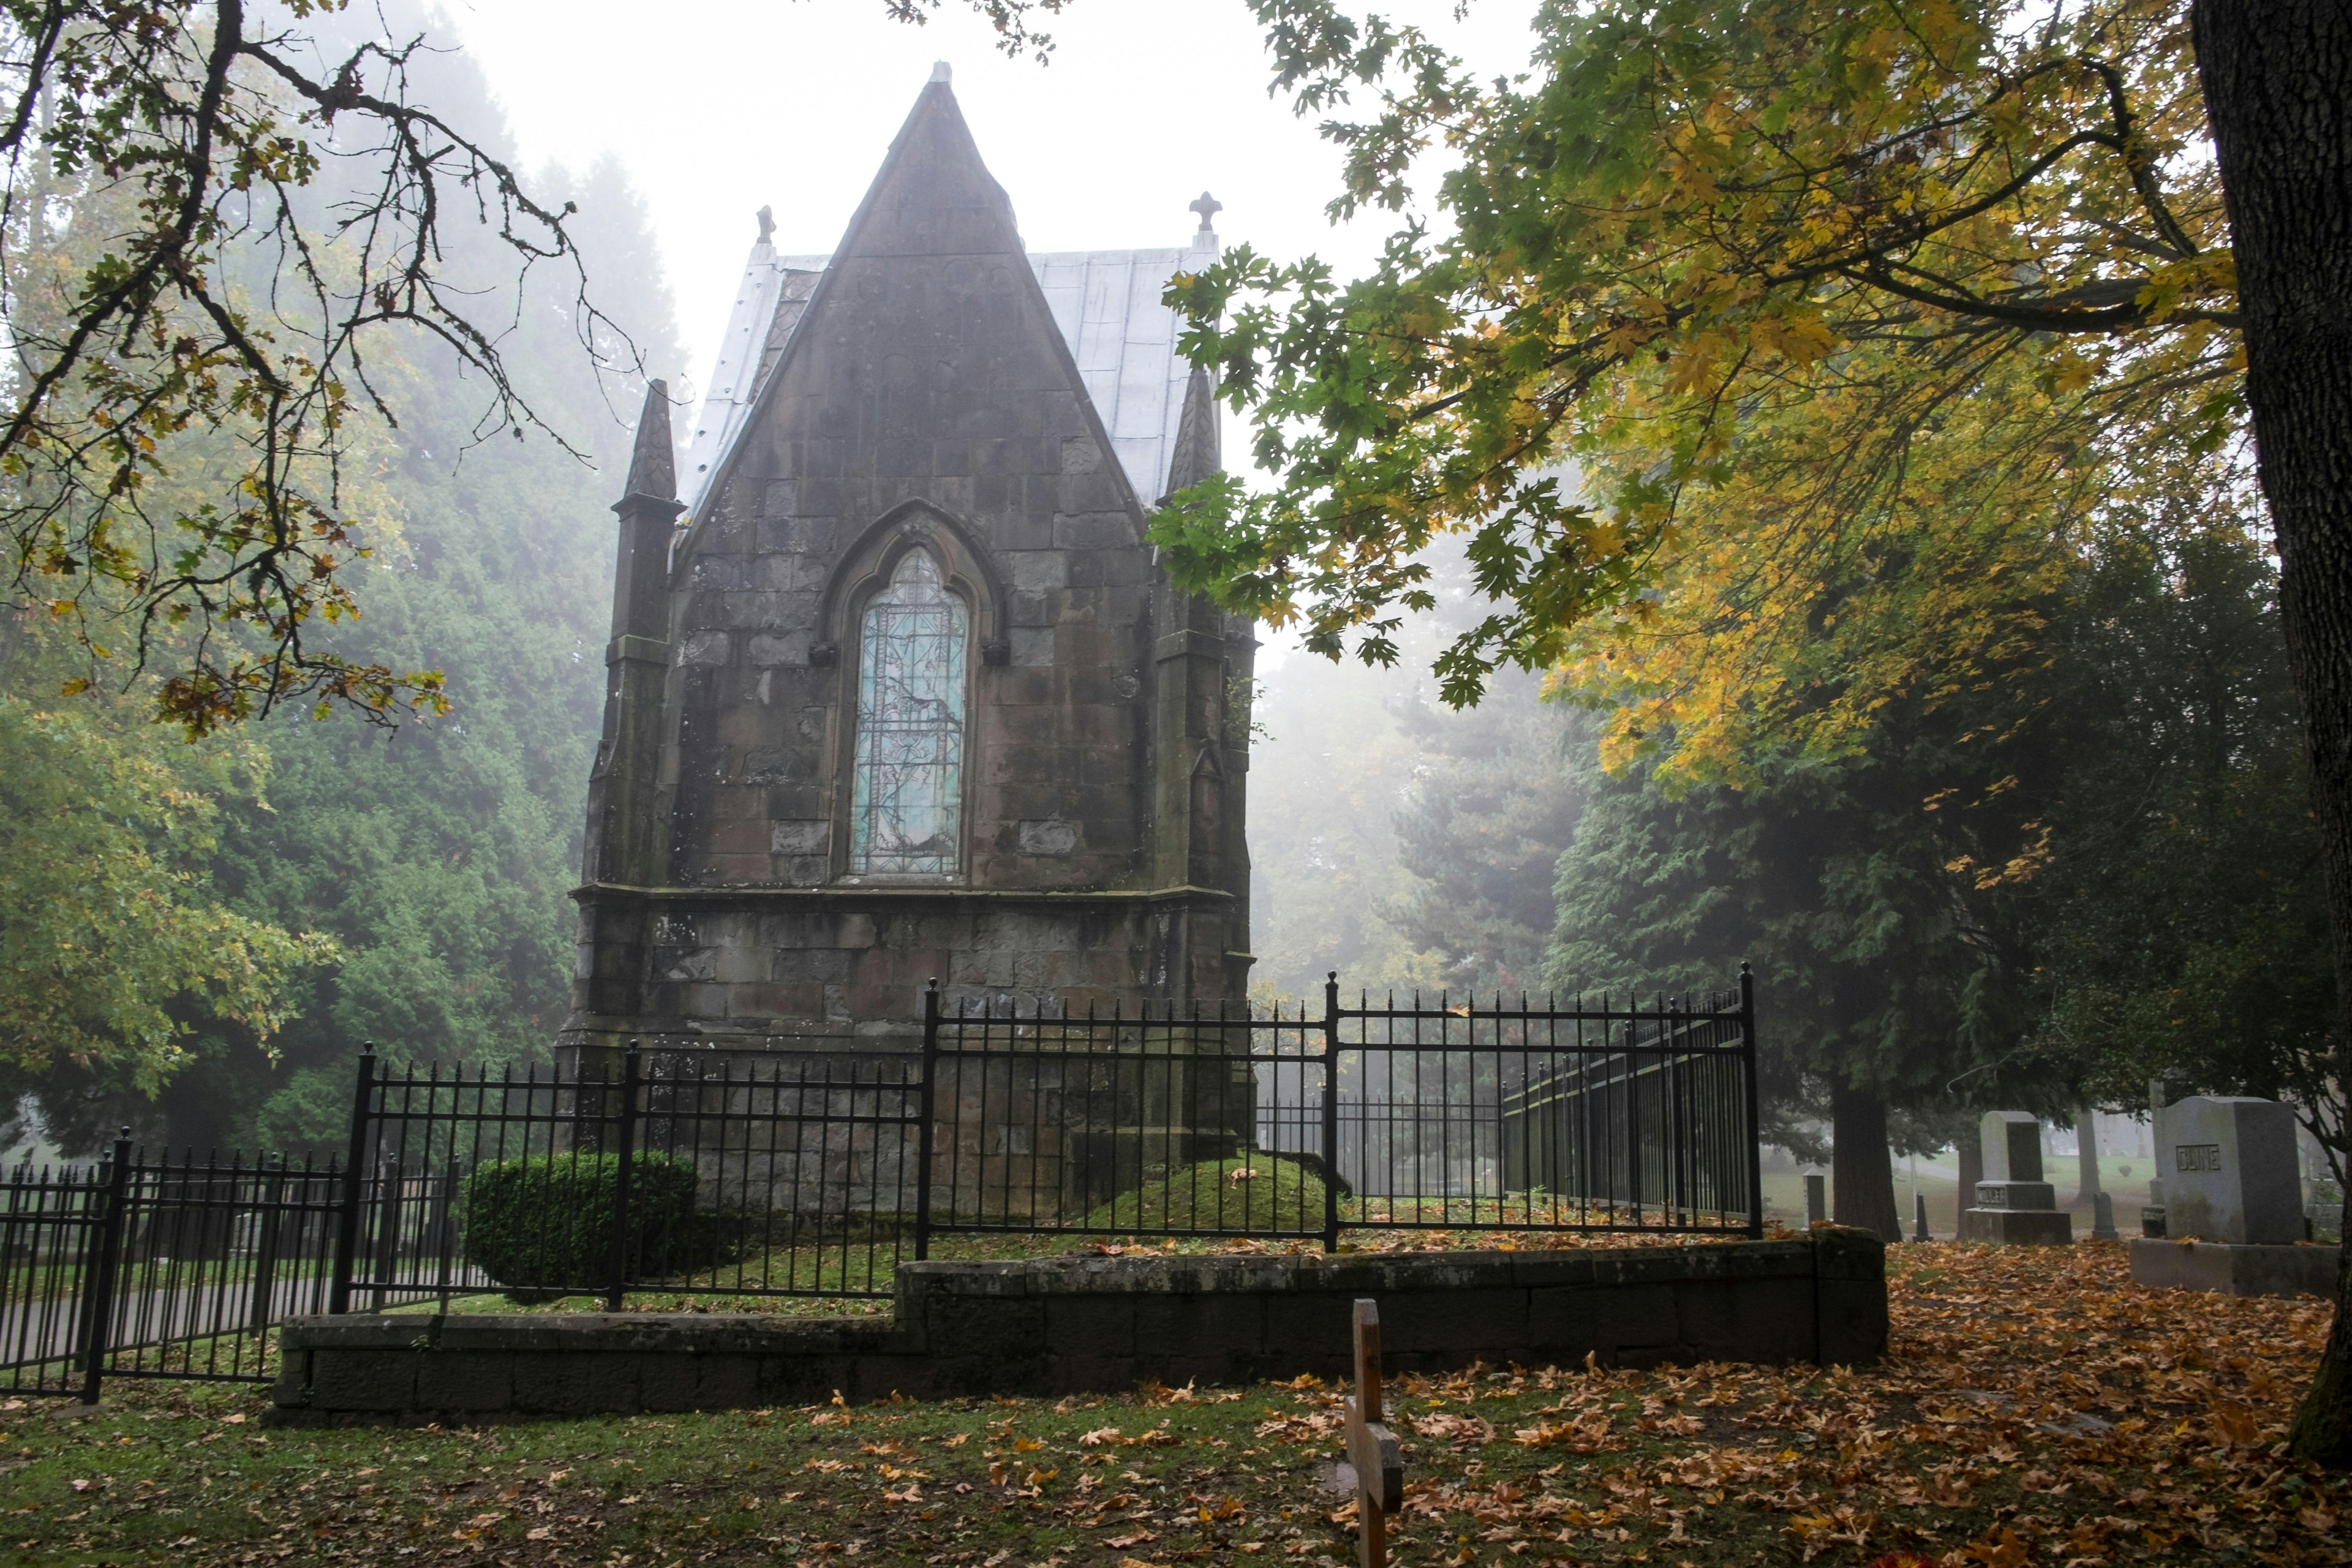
[815, 1174]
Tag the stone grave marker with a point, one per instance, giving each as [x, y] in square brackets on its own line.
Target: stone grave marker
[1373, 1456]
[2230, 1172]
[1817, 1200]
[2232, 1218]
[2013, 1204]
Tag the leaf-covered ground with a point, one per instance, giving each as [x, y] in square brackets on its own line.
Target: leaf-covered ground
[2038, 1408]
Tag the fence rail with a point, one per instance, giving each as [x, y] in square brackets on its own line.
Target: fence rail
[815, 1174]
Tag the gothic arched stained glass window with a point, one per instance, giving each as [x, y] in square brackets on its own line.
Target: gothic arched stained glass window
[906, 812]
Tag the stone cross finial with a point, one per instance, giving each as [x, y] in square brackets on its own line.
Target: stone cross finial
[1372, 1451]
[1208, 206]
[767, 224]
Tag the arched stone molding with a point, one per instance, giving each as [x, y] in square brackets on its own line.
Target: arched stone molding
[868, 564]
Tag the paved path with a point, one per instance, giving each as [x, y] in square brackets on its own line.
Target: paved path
[47, 1328]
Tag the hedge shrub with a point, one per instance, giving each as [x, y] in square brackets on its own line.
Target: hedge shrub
[545, 1223]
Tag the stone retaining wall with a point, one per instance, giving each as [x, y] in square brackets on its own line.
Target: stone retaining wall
[1091, 1324]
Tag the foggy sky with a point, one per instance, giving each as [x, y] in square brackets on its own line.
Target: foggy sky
[719, 107]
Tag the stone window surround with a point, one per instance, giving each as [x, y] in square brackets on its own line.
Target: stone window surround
[865, 570]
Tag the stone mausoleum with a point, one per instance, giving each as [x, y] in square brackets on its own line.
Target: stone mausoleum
[897, 688]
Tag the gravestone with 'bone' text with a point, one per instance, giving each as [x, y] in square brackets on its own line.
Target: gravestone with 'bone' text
[2231, 1220]
[2230, 1172]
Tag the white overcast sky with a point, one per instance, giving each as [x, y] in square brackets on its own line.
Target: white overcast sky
[719, 107]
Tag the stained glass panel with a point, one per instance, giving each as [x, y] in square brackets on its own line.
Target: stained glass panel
[906, 811]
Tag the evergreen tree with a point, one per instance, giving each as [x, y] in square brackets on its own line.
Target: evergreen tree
[2040, 914]
[438, 856]
[441, 856]
[1327, 779]
[1881, 979]
[1493, 802]
[1405, 844]
[2181, 927]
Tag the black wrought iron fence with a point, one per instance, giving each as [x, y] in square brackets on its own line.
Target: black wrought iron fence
[1591, 1116]
[815, 1173]
[1594, 1116]
[157, 1267]
[1120, 1123]
[664, 1170]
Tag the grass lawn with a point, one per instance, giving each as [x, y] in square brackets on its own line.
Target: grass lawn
[2038, 1408]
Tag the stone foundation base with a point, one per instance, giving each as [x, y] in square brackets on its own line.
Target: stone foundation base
[2018, 1227]
[1074, 1325]
[2235, 1269]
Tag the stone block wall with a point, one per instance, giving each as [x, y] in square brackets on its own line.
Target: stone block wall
[741, 967]
[1087, 1324]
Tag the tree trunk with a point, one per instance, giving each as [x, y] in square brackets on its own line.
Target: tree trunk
[2277, 76]
[2086, 1155]
[1862, 1171]
[1972, 1151]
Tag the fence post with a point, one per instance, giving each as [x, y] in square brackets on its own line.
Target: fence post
[1331, 1112]
[618, 1280]
[444, 1223]
[1755, 1112]
[271, 1179]
[392, 1196]
[927, 1099]
[99, 1304]
[347, 1223]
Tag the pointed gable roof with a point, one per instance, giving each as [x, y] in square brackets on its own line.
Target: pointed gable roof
[933, 195]
[1106, 305]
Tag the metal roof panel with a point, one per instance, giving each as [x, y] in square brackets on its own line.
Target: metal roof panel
[1106, 304]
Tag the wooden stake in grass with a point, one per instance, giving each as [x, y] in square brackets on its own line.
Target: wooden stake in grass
[1371, 1447]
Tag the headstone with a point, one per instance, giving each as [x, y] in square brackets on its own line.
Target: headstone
[2013, 1204]
[2230, 1171]
[1817, 1201]
[1372, 1450]
[2233, 1210]
[2103, 1217]
[2012, 1146]
[1919, 1217]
